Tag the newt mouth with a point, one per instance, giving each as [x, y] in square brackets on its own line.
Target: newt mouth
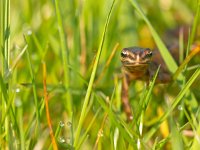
[136, 67]
[135, 64]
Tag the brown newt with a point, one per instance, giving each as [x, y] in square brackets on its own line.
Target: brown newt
[141, 64]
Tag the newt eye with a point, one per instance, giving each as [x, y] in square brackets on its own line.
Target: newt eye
[149, 54]
[124, 54]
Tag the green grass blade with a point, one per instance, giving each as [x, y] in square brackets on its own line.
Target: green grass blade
[171, 64]
[88, 128]
[65, 58]
[21, 128]
[125, 130]
[174, 104]
[176, 138]
[147, 96]
[89, 90]
[194, 52]
[196, 144]
[34, 91]
[195, 23]
[160, 144]
[5, 62]
[38, 45]
[76, 41]
[6, 33]
[146, 99]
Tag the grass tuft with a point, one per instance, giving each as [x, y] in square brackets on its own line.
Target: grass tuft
[80, 43]
[89, 90]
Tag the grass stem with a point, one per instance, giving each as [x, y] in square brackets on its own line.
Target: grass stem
[89, 90]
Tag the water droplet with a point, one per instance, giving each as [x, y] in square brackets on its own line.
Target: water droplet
[18, 102]
[100, 134]
[17, 90]
[69, 124]
[61, 140]
[61, 124]
[7, 74]
[29, 32]
[180, 107]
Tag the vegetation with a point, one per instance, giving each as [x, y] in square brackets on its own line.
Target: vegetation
[60, 76]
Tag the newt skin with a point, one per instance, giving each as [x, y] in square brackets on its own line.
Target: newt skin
[141, 64]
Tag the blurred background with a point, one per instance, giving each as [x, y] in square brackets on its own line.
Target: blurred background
[35, 23]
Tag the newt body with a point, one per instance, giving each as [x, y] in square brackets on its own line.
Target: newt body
[140, 64]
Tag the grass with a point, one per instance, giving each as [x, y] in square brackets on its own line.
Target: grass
[76, 103]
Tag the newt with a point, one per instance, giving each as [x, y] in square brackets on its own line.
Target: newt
[141, 64]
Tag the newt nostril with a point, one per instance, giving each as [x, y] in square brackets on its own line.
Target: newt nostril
[149, 54]
[124, 53]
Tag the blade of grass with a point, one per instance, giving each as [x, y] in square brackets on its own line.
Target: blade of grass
[186, 61]
[160, 144]
[53, 141]
[171, 64]
[126, 126]
[174, 104]
[6, 33]
[190, 100]
[100, 132]
[79, 75]
[9, 71]
[9, 109]
[57, 133]
[124, 129]
[87, 130]
[89, 90]
[195, 23]
[144, 100]
[196, 143]
[38, 45]
[33, 121]
[65, 58]
[1, 25]
[5, 50]
[21, 128]
[181, 45]
[189, 117]
[114, 138]
[176, 138]
[107, 63]
[146, 97]
[34, 91]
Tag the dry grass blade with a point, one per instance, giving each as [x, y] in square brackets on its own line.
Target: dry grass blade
[55, 147]
[100, 133]
[194, 51]
[91, 82]
[107, 63]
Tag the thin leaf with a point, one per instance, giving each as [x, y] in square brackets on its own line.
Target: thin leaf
[89, 90]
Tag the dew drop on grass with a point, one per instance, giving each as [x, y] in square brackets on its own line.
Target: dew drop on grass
[7, 74]
[69, 124]
[100, 134]
[17, 90]
[180, 107]
[61, 140]
[29, 32]
[61, 124]
[18, 102]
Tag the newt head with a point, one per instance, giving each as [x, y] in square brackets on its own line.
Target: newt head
[136, 58]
